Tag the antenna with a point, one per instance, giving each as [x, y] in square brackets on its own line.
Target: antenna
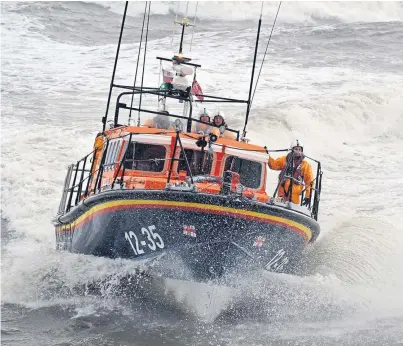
[114, 67]
[265, 52]
[144, 61]
[250, 99]
[251, 78]
[183, 23]
[194, 24]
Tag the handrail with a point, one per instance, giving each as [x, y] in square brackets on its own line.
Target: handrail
[315, 191]
[78, 169]
[101, 167]
[123, 160]
[90, 176]
[145, 89]
[188, 118]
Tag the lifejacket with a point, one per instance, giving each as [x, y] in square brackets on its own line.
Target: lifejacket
[205, 128]
[288, 171]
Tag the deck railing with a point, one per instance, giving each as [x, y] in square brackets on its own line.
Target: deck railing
[83, 179]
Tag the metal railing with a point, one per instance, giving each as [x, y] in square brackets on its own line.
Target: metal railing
[83, 179]
[184, 97]
[77, 182]
[315, 186]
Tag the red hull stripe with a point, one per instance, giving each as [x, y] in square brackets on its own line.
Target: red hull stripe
[108, 207]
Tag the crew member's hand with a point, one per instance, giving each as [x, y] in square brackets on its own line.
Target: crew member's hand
[306, 202]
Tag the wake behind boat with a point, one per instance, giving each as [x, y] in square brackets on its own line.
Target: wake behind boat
[185, 194]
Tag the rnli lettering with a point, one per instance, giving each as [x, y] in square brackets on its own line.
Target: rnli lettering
[137, 242]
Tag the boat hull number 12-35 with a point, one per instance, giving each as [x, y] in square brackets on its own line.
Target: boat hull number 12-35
[148, 238]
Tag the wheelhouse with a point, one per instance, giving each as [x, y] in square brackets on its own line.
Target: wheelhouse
[137, 158]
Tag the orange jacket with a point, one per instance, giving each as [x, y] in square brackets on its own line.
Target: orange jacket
[205, 128]
[304, 172]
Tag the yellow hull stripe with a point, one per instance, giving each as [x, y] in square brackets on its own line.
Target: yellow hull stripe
[118, 204]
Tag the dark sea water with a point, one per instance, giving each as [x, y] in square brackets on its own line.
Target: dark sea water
[333, 77]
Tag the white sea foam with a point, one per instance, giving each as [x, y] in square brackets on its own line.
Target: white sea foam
[348, 114]
[294, 12]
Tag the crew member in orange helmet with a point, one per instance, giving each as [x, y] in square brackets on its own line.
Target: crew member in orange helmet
[301, 171]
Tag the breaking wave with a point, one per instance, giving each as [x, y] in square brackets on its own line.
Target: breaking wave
[291, 12]
[345, 105]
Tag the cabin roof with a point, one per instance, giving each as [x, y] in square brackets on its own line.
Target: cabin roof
[125, 130]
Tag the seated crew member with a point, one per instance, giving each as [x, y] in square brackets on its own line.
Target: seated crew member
[205, 126]
[219, 121]
[160, 121]
[293, 164]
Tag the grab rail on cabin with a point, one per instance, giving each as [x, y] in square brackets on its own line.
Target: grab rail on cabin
[82, 180]
[156, 91]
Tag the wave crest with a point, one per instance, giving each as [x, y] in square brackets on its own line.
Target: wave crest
[291, 12]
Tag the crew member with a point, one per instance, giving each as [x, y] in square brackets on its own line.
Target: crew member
[205, 126]
[219, 121]
[293, 165]
[160, 121]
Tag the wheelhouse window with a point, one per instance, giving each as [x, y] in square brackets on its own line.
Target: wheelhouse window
[250, 172]
[112, 154]
[145, 157]
[199, 163]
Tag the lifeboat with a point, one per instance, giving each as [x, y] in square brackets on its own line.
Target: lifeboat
[188, 197]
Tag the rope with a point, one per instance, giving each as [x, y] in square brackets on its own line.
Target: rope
[187, 6]
[265, 52]
[176, 19]
[138, 58]
[144, 62]
[194, 24]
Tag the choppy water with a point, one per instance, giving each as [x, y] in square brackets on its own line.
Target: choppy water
[333, 77]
